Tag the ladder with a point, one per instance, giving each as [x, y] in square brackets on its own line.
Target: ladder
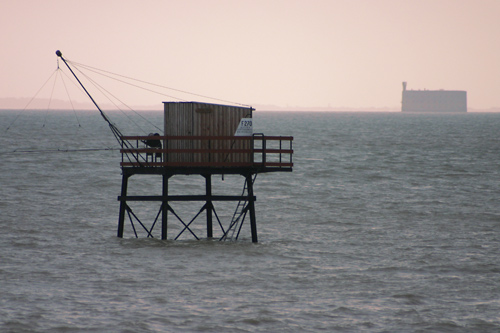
[238, 216]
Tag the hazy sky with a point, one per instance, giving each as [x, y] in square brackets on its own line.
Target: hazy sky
[338, 53]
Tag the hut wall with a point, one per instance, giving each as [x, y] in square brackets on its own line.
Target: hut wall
[204, 119]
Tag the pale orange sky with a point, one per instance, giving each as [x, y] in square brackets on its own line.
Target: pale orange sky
[338, 53]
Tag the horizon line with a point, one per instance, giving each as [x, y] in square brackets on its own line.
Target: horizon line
[16, 103]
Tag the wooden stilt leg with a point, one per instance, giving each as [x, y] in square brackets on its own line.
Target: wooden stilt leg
[209, 207]
[251, 208]
[164, 212]
[123, 205]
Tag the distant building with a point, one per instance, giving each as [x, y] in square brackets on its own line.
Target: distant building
[433, 100]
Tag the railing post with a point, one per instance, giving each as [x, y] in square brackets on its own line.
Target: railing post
[264, 151]
[280, 151]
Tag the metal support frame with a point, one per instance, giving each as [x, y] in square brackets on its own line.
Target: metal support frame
[251, 207]
[123, 205]
[208, 205]
[165, 208]
[269, 159]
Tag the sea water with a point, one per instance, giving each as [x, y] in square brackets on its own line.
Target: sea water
[389, 222]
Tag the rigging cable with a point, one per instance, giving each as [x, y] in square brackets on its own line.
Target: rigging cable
[157, 85]
[51, 95]
[67, 93]
[95, 70]
[113, 128]
[63, 74]
[44, 151]
[116, 132]
[107, 94]
[31, 100]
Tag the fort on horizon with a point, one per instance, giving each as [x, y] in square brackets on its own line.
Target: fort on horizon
[433, 100]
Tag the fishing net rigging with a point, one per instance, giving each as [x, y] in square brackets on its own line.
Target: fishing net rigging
[116, 132]
[58, 75]
[128, 81]
[67, 93]
[114, 129]
[58, 150]
[31, 100]
[83, 71]
[112, 98]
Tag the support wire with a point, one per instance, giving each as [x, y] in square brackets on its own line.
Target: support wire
[116, 132]
[97, 70]
[31, 100]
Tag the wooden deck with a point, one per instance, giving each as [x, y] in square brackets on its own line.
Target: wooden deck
[258, 152]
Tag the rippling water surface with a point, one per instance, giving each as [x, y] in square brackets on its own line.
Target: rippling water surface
[390, 222]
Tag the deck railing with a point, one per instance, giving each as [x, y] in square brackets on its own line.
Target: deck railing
[208, 151]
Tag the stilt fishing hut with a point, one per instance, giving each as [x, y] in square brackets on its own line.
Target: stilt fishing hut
[205, 140]
[200, 139]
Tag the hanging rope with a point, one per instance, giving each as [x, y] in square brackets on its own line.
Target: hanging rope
[45, 151]
[31, 100]
[67, 93]
[51, 95]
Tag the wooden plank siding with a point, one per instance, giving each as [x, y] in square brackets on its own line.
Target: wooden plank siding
[205, 119]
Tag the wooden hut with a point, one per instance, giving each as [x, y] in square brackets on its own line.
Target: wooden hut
[205, 120]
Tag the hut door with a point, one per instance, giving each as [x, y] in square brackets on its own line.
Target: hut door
[204, 118]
